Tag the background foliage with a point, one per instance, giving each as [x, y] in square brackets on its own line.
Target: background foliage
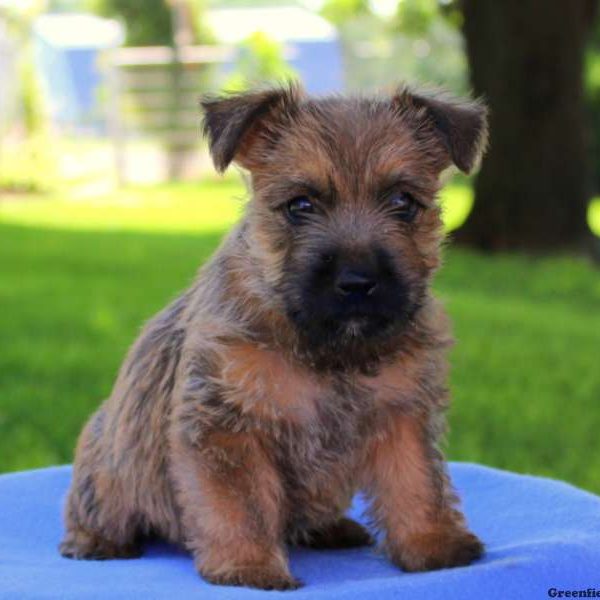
[80, 271]
[524, 379]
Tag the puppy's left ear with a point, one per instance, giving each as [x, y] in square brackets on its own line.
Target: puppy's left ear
[461, 125]
[236, 125]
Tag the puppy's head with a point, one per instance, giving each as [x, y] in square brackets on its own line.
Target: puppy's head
[343, 221]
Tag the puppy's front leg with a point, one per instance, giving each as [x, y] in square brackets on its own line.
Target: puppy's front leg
[231, 498]
[412, 500]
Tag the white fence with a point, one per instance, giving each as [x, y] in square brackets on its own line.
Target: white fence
[154, 94]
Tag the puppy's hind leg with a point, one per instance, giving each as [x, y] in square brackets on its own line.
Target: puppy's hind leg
[80, 544]
[89, 538]
[341, 534]
[97, 527]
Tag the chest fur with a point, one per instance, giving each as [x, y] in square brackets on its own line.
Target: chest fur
[315, 416]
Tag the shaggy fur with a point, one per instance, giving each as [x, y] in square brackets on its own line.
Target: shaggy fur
[251, 410]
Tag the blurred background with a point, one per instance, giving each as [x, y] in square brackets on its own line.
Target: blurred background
[108, 201]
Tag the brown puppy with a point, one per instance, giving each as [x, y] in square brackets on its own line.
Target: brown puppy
[306, 362]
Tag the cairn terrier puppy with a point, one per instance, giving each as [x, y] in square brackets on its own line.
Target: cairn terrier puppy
[306, 362]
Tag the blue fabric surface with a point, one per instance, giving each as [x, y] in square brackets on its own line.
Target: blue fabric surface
[539, 533]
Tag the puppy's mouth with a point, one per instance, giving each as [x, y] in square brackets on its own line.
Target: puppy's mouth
[362, 326]
[352, 324]
[344, 310]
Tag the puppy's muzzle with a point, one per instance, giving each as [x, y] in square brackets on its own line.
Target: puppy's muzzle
[355, 283]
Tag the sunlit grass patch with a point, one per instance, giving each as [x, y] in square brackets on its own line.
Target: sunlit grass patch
[210, 205]
[594, 216]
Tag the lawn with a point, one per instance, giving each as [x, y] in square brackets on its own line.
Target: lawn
[78, 278]
[185, 208]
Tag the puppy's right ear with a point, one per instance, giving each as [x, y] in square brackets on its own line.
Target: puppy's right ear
[460, 125]
[237, 124]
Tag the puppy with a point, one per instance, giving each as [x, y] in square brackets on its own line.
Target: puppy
[305, 363]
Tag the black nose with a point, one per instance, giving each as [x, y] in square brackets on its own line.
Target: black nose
[352, 282]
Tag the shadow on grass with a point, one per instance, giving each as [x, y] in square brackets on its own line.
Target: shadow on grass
[72, 302]
[525, 377]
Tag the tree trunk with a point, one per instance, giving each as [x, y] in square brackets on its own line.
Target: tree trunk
[526, 60]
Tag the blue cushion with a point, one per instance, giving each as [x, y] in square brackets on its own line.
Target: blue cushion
[540, 534]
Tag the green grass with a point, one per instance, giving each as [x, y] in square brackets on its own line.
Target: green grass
[73, 294]
[209, 206]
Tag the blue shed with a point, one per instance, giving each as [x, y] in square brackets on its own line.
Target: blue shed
[311, 44]
[67, 48]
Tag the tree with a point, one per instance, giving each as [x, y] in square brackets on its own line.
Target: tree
[592, 81]
[152, 22]
[526, 60]
[148, 22]
[341, 11]
[260, 59]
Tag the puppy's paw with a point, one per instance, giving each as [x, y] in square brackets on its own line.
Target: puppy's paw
[344, 533]
[438, 549]
[84, 546]
[255, 577]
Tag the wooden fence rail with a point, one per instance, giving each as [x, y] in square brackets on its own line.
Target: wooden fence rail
[154, 92]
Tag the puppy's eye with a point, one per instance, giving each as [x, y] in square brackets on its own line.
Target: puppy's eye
[405, 207]
[299, 207]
